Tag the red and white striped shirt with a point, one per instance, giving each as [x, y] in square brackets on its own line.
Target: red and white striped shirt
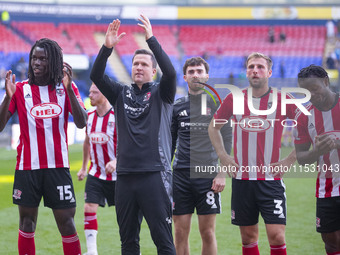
[257, 138]
[43, 117]
[103, 140]
[308, 127]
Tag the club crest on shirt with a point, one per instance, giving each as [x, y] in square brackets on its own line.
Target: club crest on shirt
[147, 96]
[60, 92]
[110, 123]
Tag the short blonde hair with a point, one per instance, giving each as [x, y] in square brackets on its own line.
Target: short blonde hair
[260, 55]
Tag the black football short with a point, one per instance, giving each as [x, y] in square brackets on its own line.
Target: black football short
[327, 214]
[54, 185]
[98, 191]
[194, 193]
[249, 198]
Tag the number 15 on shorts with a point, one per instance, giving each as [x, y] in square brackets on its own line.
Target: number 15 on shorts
[65, 192]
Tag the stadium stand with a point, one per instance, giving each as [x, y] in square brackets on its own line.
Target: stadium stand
[36, 30]
[225, 51]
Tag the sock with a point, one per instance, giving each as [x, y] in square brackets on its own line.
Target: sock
[91, 230]
[71, 245]
[26, 244]
[250, 249]
[334, 253]
[278, 249]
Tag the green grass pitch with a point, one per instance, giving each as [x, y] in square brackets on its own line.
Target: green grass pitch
[301, 237]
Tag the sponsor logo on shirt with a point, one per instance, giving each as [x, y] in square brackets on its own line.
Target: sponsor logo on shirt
[195, 125]
[46, 111]
[28, 95]
[135, 111]
[335, 134]
[99, 138]
[254, 124]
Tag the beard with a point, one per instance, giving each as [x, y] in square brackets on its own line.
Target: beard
[258, 83]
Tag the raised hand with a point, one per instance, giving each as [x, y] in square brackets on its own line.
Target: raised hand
[111, 36]
[146, 25]
[67, 80]
[10, 84]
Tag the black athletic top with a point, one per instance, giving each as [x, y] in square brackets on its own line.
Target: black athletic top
[143, 117]
[190, 133]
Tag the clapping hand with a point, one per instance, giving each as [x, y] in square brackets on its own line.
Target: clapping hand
[146, 25]
[111, 36]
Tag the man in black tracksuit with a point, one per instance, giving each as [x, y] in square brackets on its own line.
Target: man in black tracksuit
[143, 118]
[194, 187]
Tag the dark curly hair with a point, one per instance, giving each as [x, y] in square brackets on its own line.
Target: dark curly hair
[55, 61]
[312, 71]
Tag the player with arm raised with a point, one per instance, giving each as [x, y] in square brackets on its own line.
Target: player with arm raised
[143, 116]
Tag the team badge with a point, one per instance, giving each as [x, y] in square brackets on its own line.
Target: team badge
[111, 124]
[318, 222]
[17, 194]
[147, 96]
[232, 214]
[60, 92]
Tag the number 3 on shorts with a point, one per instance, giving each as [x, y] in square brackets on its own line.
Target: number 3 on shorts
[278, 206]
[65, 192]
